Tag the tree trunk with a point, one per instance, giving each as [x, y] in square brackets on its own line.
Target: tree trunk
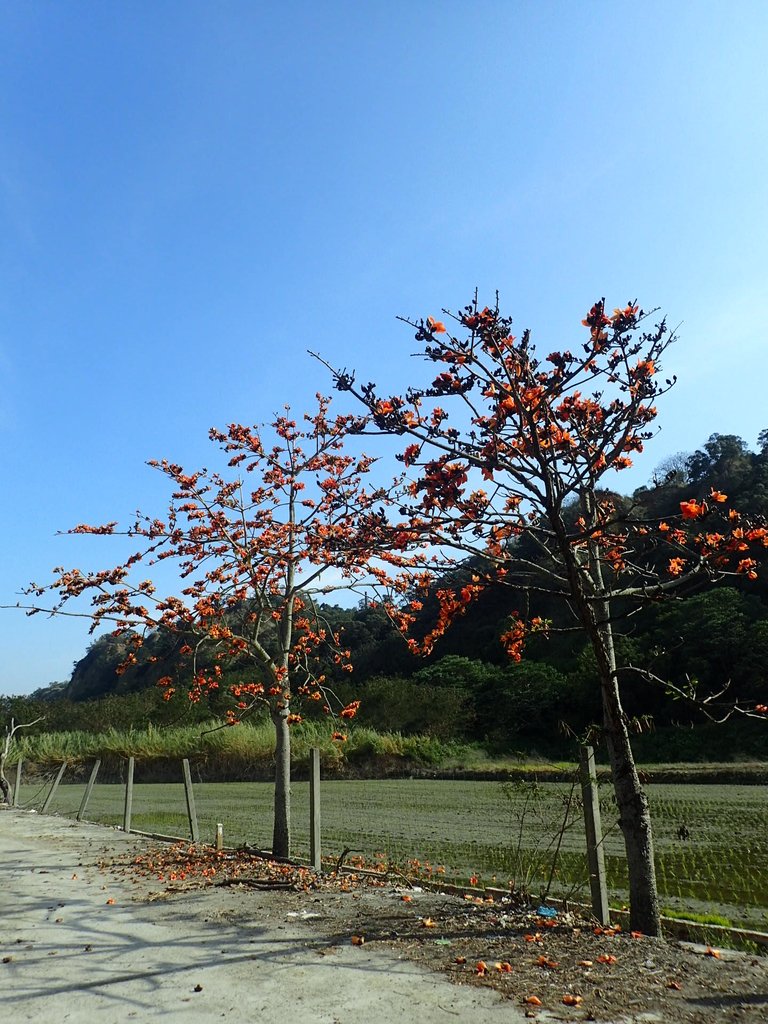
[634, 816]
[281, 836]
[631, 800]
[5, 787]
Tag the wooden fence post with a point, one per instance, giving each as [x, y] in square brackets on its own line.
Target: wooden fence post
[128, 797]
[219, 837]
[88, 789]
[595, 856]
[314, 808]
[191, 812]
[53, 789]
[17, 786]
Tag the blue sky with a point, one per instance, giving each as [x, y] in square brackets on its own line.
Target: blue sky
[193, 194]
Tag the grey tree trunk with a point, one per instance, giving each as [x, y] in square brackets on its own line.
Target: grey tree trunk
[631, 799]
[634, 816]
[5, 786]
[281, 836]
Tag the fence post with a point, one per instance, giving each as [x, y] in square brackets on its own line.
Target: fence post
[17, 787]
[191, 812]
[219, 837]
[128, 797]
[88, 789]
[314, 808]
[53, 789]
[595, 856]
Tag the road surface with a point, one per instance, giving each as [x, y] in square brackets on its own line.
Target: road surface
[82, 943]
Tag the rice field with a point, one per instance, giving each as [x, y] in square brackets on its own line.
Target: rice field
[711, 840]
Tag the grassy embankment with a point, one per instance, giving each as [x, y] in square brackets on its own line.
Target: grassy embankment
[246, 753]
[243, 752]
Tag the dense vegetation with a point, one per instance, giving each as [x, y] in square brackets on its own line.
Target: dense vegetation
[467, 689]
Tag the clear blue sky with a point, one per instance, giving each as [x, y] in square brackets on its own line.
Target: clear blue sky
[192, 194]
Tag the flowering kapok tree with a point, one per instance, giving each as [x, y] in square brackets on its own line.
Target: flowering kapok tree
[516, 473]
[255, 549]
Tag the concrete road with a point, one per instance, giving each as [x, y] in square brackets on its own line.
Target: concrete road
[82, 944]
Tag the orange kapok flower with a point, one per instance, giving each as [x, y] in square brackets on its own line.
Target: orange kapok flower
[692, 509]
[747, 566]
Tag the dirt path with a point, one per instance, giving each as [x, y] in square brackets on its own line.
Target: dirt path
[80, 943]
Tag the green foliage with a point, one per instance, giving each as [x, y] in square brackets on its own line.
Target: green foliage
[455, 671]
[408, 706]
[691, 915]
[519, 701]
[736, 740]
[117, 711]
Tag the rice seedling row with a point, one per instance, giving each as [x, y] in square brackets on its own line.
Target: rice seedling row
[711, 841]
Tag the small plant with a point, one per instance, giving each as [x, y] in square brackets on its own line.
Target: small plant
[540, 826]
[689, 915]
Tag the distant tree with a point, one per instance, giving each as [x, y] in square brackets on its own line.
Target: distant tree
[674, 470]
[523, 699]
[726, 462]
[712, 639]
[524, 465]
[257, 549]
[456, 671]
[724, 457]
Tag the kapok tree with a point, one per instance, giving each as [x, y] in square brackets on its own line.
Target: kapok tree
[256, 548]
[517, 473]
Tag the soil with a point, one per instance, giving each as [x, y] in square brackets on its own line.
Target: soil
[560, 966]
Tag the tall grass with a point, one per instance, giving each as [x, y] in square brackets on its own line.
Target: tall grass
[244, 744]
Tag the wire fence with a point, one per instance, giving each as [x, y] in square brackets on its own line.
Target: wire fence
[711, 841]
